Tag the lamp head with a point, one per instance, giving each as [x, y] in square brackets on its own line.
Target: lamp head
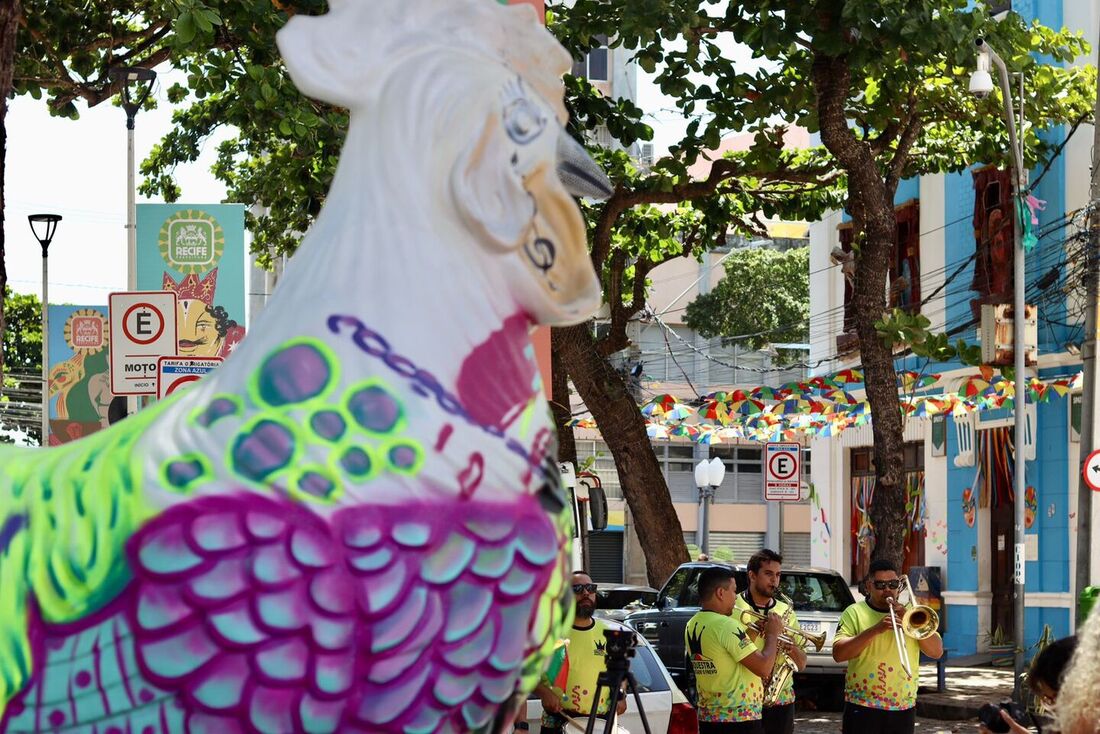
[981, 82]
[44, 226]
[716, 472]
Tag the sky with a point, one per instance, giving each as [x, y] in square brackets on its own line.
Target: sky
[77, 168]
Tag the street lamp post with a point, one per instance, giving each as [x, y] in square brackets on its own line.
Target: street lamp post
[708, 477]
[44, 226]
[981, 85]
[141, 80]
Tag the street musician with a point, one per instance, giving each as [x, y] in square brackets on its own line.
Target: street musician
[880, 687]
[762, 597]
[727, 665]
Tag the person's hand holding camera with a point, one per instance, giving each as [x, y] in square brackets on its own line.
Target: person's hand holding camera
[998, 719]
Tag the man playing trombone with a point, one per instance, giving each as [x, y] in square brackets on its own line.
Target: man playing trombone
[765, 568]
[881, 640]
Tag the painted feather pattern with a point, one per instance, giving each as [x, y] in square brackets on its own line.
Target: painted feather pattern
[385, 620]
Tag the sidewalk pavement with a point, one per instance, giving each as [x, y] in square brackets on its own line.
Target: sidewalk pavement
[971, 682]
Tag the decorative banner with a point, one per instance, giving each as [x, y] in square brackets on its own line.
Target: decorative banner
[80, 388]
[822, 407]
[197, 252]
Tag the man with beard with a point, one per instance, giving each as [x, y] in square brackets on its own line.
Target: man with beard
[585, 660]
[765, 569]
[879, 698]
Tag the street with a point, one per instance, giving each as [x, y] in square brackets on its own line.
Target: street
[828, 722]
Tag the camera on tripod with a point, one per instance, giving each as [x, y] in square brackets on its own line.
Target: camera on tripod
[620, 646]
[616, 679]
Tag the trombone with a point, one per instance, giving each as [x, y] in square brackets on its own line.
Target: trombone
[750, 618]
[917, 622]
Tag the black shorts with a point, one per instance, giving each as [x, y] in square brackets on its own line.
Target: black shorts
[731, 727]
[779, 719]
[864, 720]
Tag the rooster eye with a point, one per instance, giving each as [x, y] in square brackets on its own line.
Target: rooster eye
[523, 121]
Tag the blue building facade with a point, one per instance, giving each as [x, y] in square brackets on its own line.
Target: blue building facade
[965, 465]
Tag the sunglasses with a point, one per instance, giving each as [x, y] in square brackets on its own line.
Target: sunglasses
[578, 588]
[883, 585]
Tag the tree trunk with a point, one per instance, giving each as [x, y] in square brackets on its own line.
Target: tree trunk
[605, 394]
[560, 404]
[10, 12]
[870, 201]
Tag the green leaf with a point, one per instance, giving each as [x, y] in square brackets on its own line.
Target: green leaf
[185, 28]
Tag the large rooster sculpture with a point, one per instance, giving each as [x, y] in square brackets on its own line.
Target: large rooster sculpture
[356, 524]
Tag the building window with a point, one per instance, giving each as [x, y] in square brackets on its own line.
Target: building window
[862, 472]
[596, 64]
[993, 238]
[603, 466]
[744, 481]
[904, 277]
[666, 358]
[678, 464]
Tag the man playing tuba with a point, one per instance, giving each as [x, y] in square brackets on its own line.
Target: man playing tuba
[765, 568]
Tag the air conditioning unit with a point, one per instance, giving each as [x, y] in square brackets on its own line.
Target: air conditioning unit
[997, 333]
[646, 158]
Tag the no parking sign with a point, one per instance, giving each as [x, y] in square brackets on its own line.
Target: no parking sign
[174, 373]
[782, 478]
[143, 329]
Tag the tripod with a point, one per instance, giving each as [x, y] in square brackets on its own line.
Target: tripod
[617, 672]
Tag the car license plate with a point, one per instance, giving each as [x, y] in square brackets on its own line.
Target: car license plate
[810, 626]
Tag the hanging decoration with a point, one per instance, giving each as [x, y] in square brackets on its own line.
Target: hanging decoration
[1031, 507]
[968, 507]
[825, 406]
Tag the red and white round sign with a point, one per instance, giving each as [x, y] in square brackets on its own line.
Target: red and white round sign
[1092, 471]
[782, 466]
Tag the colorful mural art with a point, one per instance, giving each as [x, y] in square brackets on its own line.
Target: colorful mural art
[334, 532]
[80, 388]
[197, 252]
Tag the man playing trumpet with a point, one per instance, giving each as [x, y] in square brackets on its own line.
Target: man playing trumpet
[880, 687]
[727, 665]
[765, 569]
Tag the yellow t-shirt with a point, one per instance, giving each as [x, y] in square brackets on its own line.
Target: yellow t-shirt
[587, 659]
[727, 690]
[786, 696]
[875, 678]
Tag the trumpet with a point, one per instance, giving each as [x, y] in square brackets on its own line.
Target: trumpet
[917, 621]
[750, 618]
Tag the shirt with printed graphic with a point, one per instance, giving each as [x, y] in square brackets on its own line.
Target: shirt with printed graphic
[587, 659]
[727, 690]
[875, 678]
[786, 695]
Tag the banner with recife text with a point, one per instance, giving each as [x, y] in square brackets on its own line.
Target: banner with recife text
[197, 252]
[80, 384]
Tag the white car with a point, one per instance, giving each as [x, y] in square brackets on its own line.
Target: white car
[667, 710]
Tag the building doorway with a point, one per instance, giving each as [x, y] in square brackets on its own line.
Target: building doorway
[995, 457]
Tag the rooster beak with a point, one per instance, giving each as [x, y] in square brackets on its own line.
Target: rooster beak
[579, 173]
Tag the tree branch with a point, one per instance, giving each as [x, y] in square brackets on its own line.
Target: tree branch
[909, 136]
